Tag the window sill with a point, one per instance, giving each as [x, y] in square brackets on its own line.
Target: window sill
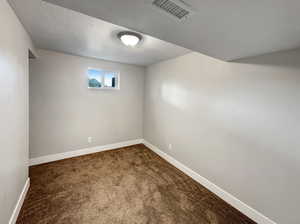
[103, 88]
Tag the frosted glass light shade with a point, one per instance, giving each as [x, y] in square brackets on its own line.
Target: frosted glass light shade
[130, 38]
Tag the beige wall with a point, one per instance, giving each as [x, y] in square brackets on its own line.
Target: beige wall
[14, 45]
[235, 123]
[64, 112]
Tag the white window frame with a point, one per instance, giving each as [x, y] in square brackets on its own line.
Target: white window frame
[102, 79]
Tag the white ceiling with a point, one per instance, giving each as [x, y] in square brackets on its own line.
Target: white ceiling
[56, 28]
[226, 30]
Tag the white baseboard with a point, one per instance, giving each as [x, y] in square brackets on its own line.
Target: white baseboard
[19, 204]
[80, 152]
[230, 199]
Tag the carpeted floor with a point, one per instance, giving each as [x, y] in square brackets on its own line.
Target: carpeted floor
[130, 185]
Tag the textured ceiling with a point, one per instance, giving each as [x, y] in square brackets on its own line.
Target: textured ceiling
[56, 28]
[226, 30]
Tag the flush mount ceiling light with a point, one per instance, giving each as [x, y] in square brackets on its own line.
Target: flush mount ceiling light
[130, 38]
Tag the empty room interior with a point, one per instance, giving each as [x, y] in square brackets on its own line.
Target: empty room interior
[149, 112]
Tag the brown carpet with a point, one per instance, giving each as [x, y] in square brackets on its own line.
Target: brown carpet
[130, 185]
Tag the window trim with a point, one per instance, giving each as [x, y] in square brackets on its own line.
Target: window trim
[103, 88]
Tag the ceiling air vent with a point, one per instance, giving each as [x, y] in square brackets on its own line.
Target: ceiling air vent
[176, 8]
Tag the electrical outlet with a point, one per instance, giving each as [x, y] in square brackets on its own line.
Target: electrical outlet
[170, 147]
[90, 139]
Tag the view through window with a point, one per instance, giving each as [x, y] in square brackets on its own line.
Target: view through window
[103, 79]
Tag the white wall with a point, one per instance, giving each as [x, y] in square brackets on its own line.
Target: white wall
[235, 123]
[14, 45]
[64, 112]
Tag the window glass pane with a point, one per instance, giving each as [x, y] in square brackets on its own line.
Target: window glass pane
[110, 80]
[95, 78]
[98, 78]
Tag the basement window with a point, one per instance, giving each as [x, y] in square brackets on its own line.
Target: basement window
[102, 79]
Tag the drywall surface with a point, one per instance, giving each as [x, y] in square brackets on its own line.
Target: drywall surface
[235, 123]
[64, 112]
[14, 45]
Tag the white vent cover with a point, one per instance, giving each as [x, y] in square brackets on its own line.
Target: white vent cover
[176, 8]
